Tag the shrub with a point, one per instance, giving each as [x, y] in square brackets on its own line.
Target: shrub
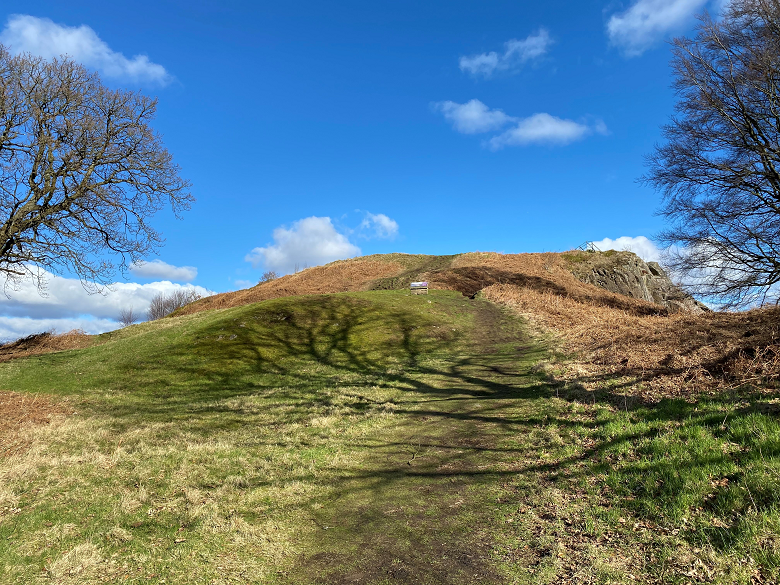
[127, 317]
[163, 305]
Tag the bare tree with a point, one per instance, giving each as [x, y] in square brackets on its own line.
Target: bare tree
[158, 307]
[163, 305]
[269, 276]
[719, 169]
[81, 171]
[127, 317]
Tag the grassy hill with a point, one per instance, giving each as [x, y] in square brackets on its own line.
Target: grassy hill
[376, 437]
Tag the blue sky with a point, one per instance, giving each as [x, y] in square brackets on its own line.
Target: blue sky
[316, 130]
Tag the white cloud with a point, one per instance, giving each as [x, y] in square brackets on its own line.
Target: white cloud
[648, 21]
[163, 270]
[382, 226]
[640, 245]
[545, 129]
[239, 284]
[308, 242]
[47, 39]
[473, 117]
[66, 303]
[516, 53]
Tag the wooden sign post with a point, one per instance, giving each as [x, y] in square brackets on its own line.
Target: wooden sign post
[419, 288]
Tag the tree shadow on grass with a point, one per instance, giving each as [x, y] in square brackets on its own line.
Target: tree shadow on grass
[457, 395]
[707, 465]
[397, 511]
[296, 351]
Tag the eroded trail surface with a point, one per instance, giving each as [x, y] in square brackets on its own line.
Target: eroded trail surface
[425, 506]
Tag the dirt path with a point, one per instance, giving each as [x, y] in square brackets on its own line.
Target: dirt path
[429, 515]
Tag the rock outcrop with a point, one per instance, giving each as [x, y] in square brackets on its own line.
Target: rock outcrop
[627, 274]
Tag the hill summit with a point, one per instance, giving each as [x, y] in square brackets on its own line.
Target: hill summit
[576, 274]
[622, 317]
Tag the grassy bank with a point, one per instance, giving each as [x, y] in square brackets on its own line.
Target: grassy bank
[374, 438]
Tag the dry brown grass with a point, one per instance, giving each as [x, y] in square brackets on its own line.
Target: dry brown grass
[618, 340]
[46, 342]
[543, 273]
[642, 346]
[340, 276]
[20, 411]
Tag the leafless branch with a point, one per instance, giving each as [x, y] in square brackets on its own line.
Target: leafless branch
[718, 168]
[81, 171]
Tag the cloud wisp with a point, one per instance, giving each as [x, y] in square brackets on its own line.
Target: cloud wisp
[646, 22]
[314, 241]
[516, 53]
[307, 242]
[378, 225]
[45, 38]
[474, 117]
[545, 129]
[164, 271]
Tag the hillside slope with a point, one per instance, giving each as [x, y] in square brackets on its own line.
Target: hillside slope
[654, 349]
[651, 349]
[374, 437]
[466, 273]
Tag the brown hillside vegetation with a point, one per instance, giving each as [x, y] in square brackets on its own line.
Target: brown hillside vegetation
[466, 273]
[634, 345]
[339, 276]
[46, 342]
[19, 411]
[620, 342]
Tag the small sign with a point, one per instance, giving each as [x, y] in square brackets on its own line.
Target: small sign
[419, 288]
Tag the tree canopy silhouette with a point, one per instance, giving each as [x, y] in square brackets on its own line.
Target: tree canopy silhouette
[718, 169]
[81, 172]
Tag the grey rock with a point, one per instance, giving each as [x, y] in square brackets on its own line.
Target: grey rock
[627, 274]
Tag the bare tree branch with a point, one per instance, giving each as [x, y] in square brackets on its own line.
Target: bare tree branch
[163, 305]
[718, 169]
[127, 317]
[81, 171]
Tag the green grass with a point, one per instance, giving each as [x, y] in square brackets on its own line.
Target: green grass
[372, 437]
[708, 470]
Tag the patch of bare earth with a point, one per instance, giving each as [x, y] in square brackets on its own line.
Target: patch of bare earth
[21, 411]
